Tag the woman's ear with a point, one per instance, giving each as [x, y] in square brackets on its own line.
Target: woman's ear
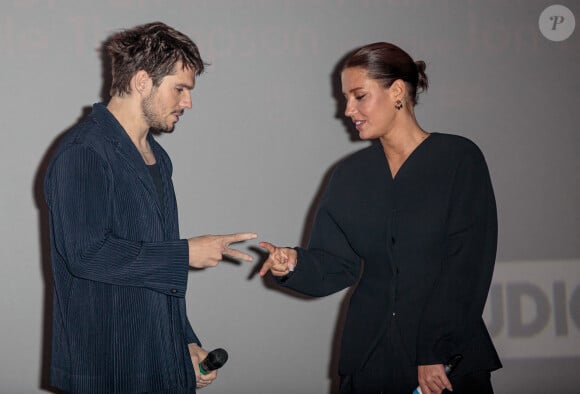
[398, 90]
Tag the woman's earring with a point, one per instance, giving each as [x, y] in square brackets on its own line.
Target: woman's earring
[398, 104]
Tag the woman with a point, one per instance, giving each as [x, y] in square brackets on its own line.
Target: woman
[412, 218]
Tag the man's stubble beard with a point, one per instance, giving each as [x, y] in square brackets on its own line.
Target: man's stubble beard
[153, 119]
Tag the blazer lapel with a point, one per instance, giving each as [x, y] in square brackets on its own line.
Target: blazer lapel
[128, 152]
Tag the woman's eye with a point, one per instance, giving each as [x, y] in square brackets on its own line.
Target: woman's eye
[360, 97]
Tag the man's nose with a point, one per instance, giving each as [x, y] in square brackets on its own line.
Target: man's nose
[186, 100]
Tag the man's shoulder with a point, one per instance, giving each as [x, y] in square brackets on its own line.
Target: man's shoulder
[85, 138]
[95, 131]
[87, 131]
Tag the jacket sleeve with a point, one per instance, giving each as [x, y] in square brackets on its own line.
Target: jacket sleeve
[190, 335]
[459, 294]
[329, 264]
[77, 188]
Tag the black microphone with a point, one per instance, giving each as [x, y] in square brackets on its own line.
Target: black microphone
[450, 366]
[214, 360]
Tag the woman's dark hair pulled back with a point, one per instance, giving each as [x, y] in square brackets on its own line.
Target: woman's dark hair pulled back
[386, 63]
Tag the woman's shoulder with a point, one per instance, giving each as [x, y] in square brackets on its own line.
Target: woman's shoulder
[452, 140]
[358, 168]
[454, 144]
[362, 157]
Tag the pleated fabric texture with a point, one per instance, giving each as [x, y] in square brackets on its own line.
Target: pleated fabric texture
[120, 269]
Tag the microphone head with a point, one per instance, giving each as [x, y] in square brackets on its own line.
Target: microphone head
[215, 359]
[450, 366]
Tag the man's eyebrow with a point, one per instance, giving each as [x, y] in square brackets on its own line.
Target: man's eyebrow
[185, 85]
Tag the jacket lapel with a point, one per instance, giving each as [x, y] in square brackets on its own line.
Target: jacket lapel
[127, 151]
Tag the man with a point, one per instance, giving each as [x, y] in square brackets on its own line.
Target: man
[120, 268]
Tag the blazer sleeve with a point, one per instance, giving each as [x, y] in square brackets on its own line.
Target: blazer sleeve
[190, 335]
[77, 190]
[329, 264]
[458, 297]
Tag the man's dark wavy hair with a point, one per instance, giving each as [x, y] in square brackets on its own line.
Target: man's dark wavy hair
[153, 47]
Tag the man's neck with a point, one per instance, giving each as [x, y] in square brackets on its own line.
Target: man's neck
[128, 113]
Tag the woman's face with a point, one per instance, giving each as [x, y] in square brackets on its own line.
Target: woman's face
[368, 104]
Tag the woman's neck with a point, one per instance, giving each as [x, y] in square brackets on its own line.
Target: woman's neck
[400, 143]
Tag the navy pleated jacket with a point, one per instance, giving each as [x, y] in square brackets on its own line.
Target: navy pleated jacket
[428, 241]
[120, 269]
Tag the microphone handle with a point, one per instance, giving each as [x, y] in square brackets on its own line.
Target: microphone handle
[202, 369]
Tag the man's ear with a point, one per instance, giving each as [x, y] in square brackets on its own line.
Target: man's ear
[142, 82]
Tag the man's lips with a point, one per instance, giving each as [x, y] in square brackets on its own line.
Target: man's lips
[177, 115]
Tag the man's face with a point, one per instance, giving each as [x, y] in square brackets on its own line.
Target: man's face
[167, 102]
